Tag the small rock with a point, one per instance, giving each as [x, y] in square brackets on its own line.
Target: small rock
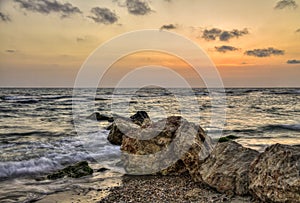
[227, 138]
[102, 169]
[99, 117]
[140, 117]
[73, 171]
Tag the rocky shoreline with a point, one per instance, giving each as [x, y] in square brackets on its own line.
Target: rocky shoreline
[227, 167]
[198, 170]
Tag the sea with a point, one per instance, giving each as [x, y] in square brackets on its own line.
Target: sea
[40, 131]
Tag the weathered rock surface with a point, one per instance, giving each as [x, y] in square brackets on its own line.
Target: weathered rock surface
[73, 171]
[227, 168]
[275, 174]
[172, 144]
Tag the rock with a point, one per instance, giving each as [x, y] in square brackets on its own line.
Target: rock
[99, 117]
[117, 130]
[227, 168]
[140, 117]
[172, 145]
[74, 171]
[227, 138]
[115, 136]
[102, 169]
[275, 174]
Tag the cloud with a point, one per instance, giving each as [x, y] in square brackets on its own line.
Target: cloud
[103, 15]
[138, 7]
[286, 4]
[10, 51]
[298, 30]
[49, 6]
[226, 48]
[168, 27]
[264, 52]
[223, 35]
[294, 61]
[4, 18]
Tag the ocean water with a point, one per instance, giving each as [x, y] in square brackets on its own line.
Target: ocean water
[38, 134]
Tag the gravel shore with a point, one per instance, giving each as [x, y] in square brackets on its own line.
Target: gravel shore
[167, 189]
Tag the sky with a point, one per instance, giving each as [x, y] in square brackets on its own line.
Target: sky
[253, 43]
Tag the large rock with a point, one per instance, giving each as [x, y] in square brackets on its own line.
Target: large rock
[172, 145]
[275, 174]
[74, 171]
[227, 168]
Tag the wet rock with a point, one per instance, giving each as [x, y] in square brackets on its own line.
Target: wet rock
[102, 169]
[140, 117]
[275, 174]
[227, 168]
[118, 129]
[73, 171]
[172, 145]
[99, 117]
[228, 138]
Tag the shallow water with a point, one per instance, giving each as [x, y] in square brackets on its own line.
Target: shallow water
[37, 133]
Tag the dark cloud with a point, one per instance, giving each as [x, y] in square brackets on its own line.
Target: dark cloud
[80, 39]
[103, 15]
[298, 30]
[211, 34]
[294, 61]
[264, 52]
[223, 35]
[286, 4]
[49, 6]
[226, 48]
[4, 18]
[168, 27]
[138, 7]
[10, 51]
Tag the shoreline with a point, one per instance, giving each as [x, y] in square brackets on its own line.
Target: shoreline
[148, 188]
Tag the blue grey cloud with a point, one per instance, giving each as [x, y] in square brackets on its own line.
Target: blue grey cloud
[225, 48]
[293, 61]
[223, 35]
[286, 4]
[103, 16]
[49, 6]
[264, 52]
[4, 17]
[168, 27]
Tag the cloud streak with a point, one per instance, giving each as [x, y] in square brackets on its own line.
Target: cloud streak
[103, 16]
[4, 17]
[264, 52]
[225, 48]
[168, 27]
[47, 6]
[223, 35]
[286, 4]
[293, 61]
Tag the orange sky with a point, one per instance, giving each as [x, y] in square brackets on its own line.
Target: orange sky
[253, 43]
